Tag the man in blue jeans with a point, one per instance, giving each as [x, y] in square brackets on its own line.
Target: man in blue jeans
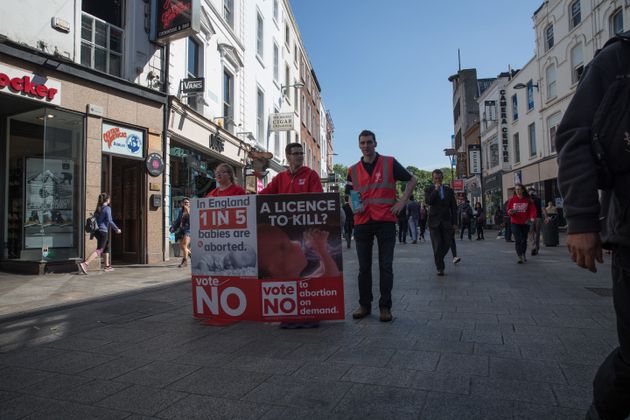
[372, 182]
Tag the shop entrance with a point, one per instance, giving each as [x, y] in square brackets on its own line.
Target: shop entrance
[123, 178]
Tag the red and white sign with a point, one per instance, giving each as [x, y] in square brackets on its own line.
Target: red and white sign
[257, 258]
[19, 82]
[458, 184]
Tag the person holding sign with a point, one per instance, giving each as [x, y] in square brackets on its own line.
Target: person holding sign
[371, 184]
[295, 180]
[224, 174]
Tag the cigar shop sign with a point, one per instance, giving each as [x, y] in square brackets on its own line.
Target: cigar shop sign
[24, 83]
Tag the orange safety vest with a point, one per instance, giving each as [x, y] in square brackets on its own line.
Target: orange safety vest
[378, 191]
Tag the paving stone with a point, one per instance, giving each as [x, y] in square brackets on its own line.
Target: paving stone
[433, 381]
[72, 411]
[298, 392]
[577, 397]
[312, 351]
[507, 389]
[450, 406]
[527, 411]
[74, 362]
[325, 371]
[265, 365]
[115, 367]
[463, 364]
[17, 378]
[219, 382]
[500, 350]
[526, 370]
[157, 374]
[380, 376]
[206, 407]
[414, 359]
[362, 356]
[444, 346]
[580, 375]
[93, 391]
[489, 337]
[142, 400]
[55, 386]
[25, 405]
[362, 400]
[29, 358]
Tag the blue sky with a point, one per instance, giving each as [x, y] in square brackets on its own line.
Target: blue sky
[384, 65]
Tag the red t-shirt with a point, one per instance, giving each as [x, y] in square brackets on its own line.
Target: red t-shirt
[524, 210]
[305, 180]
[231, 190]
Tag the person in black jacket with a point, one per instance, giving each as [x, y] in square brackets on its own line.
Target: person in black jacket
[442, 218]
[578, 182]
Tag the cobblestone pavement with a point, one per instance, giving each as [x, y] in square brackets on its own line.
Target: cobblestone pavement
[490, 340]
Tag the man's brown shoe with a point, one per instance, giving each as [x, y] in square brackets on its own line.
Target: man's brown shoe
[361, 312]
[386, 315]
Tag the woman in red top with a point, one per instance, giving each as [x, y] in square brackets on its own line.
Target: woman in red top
[224, 174]
[521, 211]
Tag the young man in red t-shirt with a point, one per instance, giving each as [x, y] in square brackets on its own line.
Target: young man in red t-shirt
[297, 179]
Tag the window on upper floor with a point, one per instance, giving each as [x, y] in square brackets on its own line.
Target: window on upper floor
[457, 111]
[514, 107]
[276, 62]
[531, 130]
[287, 35]
[458, 139]
[295, 53]
[260, 116]
[276, 140]
[516, 145]
[287, 78]
[552, 125]
[616, 22]
[550, 77]
[575, 14]
[260, 30]
[276, 10]
[549, 37]
[228, 99]
[530, 95]
[102, 35]
[493, 152]
[194, 68]
[296, 95]
[577, 63]
[489, 113]
[228, 12]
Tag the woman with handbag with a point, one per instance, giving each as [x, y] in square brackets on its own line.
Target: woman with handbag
[181, 228]
[103, 214]
[521, 211]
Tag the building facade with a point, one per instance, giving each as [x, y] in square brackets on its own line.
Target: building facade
[80, 114]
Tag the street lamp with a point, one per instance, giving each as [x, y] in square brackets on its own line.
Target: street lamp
[451, 154]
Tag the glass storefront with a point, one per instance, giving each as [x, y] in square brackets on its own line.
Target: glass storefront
[43, 186]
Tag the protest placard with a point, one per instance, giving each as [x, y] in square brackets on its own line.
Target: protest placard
[267, 258]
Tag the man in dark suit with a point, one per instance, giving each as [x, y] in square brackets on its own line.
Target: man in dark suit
[442, 217]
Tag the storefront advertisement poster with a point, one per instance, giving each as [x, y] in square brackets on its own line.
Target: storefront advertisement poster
[296, 270]
[121, 140]
[48, 216]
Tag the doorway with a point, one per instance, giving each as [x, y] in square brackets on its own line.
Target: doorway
[123, 178]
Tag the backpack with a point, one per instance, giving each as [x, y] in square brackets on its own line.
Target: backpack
[610, 141]
[91, 225]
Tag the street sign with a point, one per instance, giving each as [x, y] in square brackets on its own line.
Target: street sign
[192, 85]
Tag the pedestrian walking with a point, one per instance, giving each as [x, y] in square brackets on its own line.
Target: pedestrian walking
[581, 172]
[442, 218]
[534, 232]
[456, 259]
[521, 210]
[413, 212]
[297, 179]
[424, 213]
[373, 181]
[479, 216]
[224, 175]
[403, 225]
[348, 226]
[181, 228]
[465, 216]
[103, 214]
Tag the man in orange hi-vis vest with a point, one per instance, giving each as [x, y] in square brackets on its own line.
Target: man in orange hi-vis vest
[371, 185]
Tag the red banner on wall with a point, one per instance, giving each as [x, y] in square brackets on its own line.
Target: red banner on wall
[267, 258]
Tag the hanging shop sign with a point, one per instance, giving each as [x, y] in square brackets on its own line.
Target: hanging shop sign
[119, 140]
[216, 142]
[281, 121]
[192, 85]
[155, 164]
[458, 184]
[24, 83]
[474, 159]
[177, 19]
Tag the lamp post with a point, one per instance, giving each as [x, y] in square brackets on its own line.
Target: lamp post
[451, 154]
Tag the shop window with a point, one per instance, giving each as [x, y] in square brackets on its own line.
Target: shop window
[102, 36]
[44, 207]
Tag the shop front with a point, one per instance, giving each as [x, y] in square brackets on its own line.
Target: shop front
[493, 197]
[196, 147]
[52, 126]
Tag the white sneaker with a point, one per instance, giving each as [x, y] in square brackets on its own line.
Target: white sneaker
[456, 260]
